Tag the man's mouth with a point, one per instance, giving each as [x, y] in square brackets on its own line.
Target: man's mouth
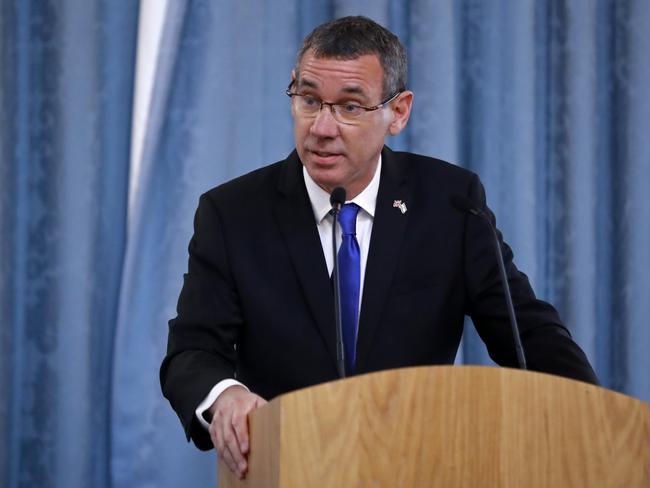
[324, 154]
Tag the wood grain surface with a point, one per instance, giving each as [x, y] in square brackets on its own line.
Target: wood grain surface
[465, 426]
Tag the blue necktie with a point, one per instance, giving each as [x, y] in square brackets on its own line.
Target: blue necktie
[350, 275]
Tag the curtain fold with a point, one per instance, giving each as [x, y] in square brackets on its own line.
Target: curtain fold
[67, 73]
[547, 101]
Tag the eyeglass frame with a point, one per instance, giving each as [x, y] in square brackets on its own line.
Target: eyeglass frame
[331, 105]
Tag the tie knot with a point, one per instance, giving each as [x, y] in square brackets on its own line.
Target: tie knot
[348, 218]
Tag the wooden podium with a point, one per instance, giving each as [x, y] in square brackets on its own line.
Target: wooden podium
[448, 426]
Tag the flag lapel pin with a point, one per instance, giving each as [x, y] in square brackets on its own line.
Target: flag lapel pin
[401, 205]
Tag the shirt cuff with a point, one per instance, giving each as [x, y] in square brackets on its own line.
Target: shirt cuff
[207, 402]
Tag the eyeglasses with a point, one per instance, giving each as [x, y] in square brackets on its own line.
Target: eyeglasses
[346, 113]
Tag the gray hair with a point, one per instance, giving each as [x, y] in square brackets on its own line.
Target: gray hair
[351, 37]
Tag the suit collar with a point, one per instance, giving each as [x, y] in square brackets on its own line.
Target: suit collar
[295, 219]
[320, 199]
[388, 232]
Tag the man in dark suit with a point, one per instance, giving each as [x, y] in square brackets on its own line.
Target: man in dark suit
[257, 302]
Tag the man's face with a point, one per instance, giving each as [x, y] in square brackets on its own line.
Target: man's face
[337, 154]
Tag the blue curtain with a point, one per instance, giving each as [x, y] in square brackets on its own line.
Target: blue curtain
[65, 110]
[547, 100]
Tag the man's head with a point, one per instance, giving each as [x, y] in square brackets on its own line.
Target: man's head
[350, 37]
[360, 67]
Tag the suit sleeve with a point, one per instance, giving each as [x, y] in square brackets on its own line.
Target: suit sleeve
[201, 342]
[547, 344]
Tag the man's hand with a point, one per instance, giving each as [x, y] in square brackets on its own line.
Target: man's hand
[229, 426]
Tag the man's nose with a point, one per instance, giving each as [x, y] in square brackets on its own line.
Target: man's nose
[325, 124]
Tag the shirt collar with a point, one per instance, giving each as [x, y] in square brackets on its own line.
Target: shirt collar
[320, 199]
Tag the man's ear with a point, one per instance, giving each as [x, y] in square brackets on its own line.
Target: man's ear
[293, 74]
[401, 111]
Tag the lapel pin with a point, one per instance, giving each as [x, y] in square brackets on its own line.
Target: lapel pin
[401, 205]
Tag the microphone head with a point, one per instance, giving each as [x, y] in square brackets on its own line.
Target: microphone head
[337, 197]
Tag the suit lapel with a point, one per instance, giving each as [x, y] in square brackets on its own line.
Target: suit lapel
[388, 231]
[296, 221]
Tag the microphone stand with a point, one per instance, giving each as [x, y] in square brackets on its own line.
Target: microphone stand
[467, 205]
[337, 199]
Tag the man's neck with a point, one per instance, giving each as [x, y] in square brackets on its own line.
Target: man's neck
[319, 197]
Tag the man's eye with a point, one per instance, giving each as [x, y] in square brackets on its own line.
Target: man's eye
[310, 101]
[351, 108]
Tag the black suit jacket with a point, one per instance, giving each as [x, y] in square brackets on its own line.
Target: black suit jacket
[257, 302]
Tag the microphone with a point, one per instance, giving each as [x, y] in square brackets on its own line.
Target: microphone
[466, 205]
[337, 199]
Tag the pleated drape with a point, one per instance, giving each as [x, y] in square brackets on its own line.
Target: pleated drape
[65, 110]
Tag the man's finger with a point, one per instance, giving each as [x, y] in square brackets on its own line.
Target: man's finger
[240, 426]
[217, 439]
[227, 458]
[218, 436]
[232, 445]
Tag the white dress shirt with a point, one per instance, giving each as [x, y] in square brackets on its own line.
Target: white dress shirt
[320, 203]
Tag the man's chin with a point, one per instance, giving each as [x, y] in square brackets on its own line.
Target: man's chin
[324, 178]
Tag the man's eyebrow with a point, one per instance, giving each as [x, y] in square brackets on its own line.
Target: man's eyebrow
[354, 90]
[348, 90]
[306, 83]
